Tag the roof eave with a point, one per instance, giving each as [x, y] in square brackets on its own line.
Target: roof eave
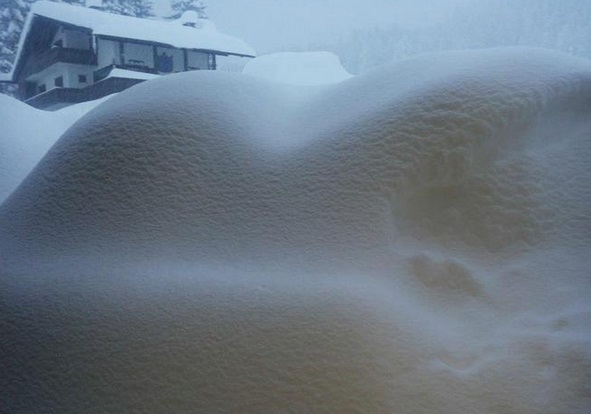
[162, 44]
[21, 43]
[236, 54]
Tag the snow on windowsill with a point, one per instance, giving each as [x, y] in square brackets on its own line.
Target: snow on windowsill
[131, 74]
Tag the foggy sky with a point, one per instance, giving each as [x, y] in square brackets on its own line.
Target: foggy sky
[273, 25]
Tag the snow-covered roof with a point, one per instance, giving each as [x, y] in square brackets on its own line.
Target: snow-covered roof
[203, 36]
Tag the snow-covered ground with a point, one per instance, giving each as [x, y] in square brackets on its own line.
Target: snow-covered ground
[26, 135]
[415, 239]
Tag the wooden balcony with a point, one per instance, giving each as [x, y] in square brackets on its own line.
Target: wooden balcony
[56, 96]
[43, 60]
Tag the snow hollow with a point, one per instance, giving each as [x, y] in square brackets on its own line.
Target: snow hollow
[412, 240]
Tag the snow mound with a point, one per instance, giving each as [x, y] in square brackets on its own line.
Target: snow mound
[191, 18]
[305, 68]
[412, 240]
[27, 134]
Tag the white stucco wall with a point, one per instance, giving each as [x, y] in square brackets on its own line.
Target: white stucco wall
[72, 73]
[68, 71]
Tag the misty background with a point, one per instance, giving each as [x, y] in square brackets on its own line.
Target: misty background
[364, 34]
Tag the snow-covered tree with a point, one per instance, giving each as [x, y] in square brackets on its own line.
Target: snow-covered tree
[12, 18]
[140, 8]
[137, 8]
[180, 6]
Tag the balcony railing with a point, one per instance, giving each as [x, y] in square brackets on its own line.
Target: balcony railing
[36, 63]
[57, 96]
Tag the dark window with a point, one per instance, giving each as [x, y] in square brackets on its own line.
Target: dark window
[42, 88]
[31, 89]
[59, 81]
[164, 63]
[82, 78]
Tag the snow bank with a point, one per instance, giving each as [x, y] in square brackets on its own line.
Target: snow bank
[310, 68]
[411, 240]
[70, 114]
[26, 135]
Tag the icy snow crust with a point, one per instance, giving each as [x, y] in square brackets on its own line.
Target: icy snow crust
[414, 240]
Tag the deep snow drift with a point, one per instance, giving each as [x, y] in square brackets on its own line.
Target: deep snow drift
[27, 133]
[411, 240]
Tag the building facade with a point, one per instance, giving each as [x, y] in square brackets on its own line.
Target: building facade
[69, 54]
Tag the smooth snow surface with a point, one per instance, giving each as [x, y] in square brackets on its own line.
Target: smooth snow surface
[304, 68]
[27, 133]
[413, 240]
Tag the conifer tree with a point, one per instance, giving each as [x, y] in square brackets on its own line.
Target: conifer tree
[12, 20]
[180, 6]
[136, 8]
[141, 8]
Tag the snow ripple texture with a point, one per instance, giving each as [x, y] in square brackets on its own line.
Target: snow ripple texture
[414, 240]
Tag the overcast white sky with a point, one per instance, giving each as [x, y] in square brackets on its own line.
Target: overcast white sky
[271, 25]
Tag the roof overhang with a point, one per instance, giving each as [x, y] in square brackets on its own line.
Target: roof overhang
[168, 45]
